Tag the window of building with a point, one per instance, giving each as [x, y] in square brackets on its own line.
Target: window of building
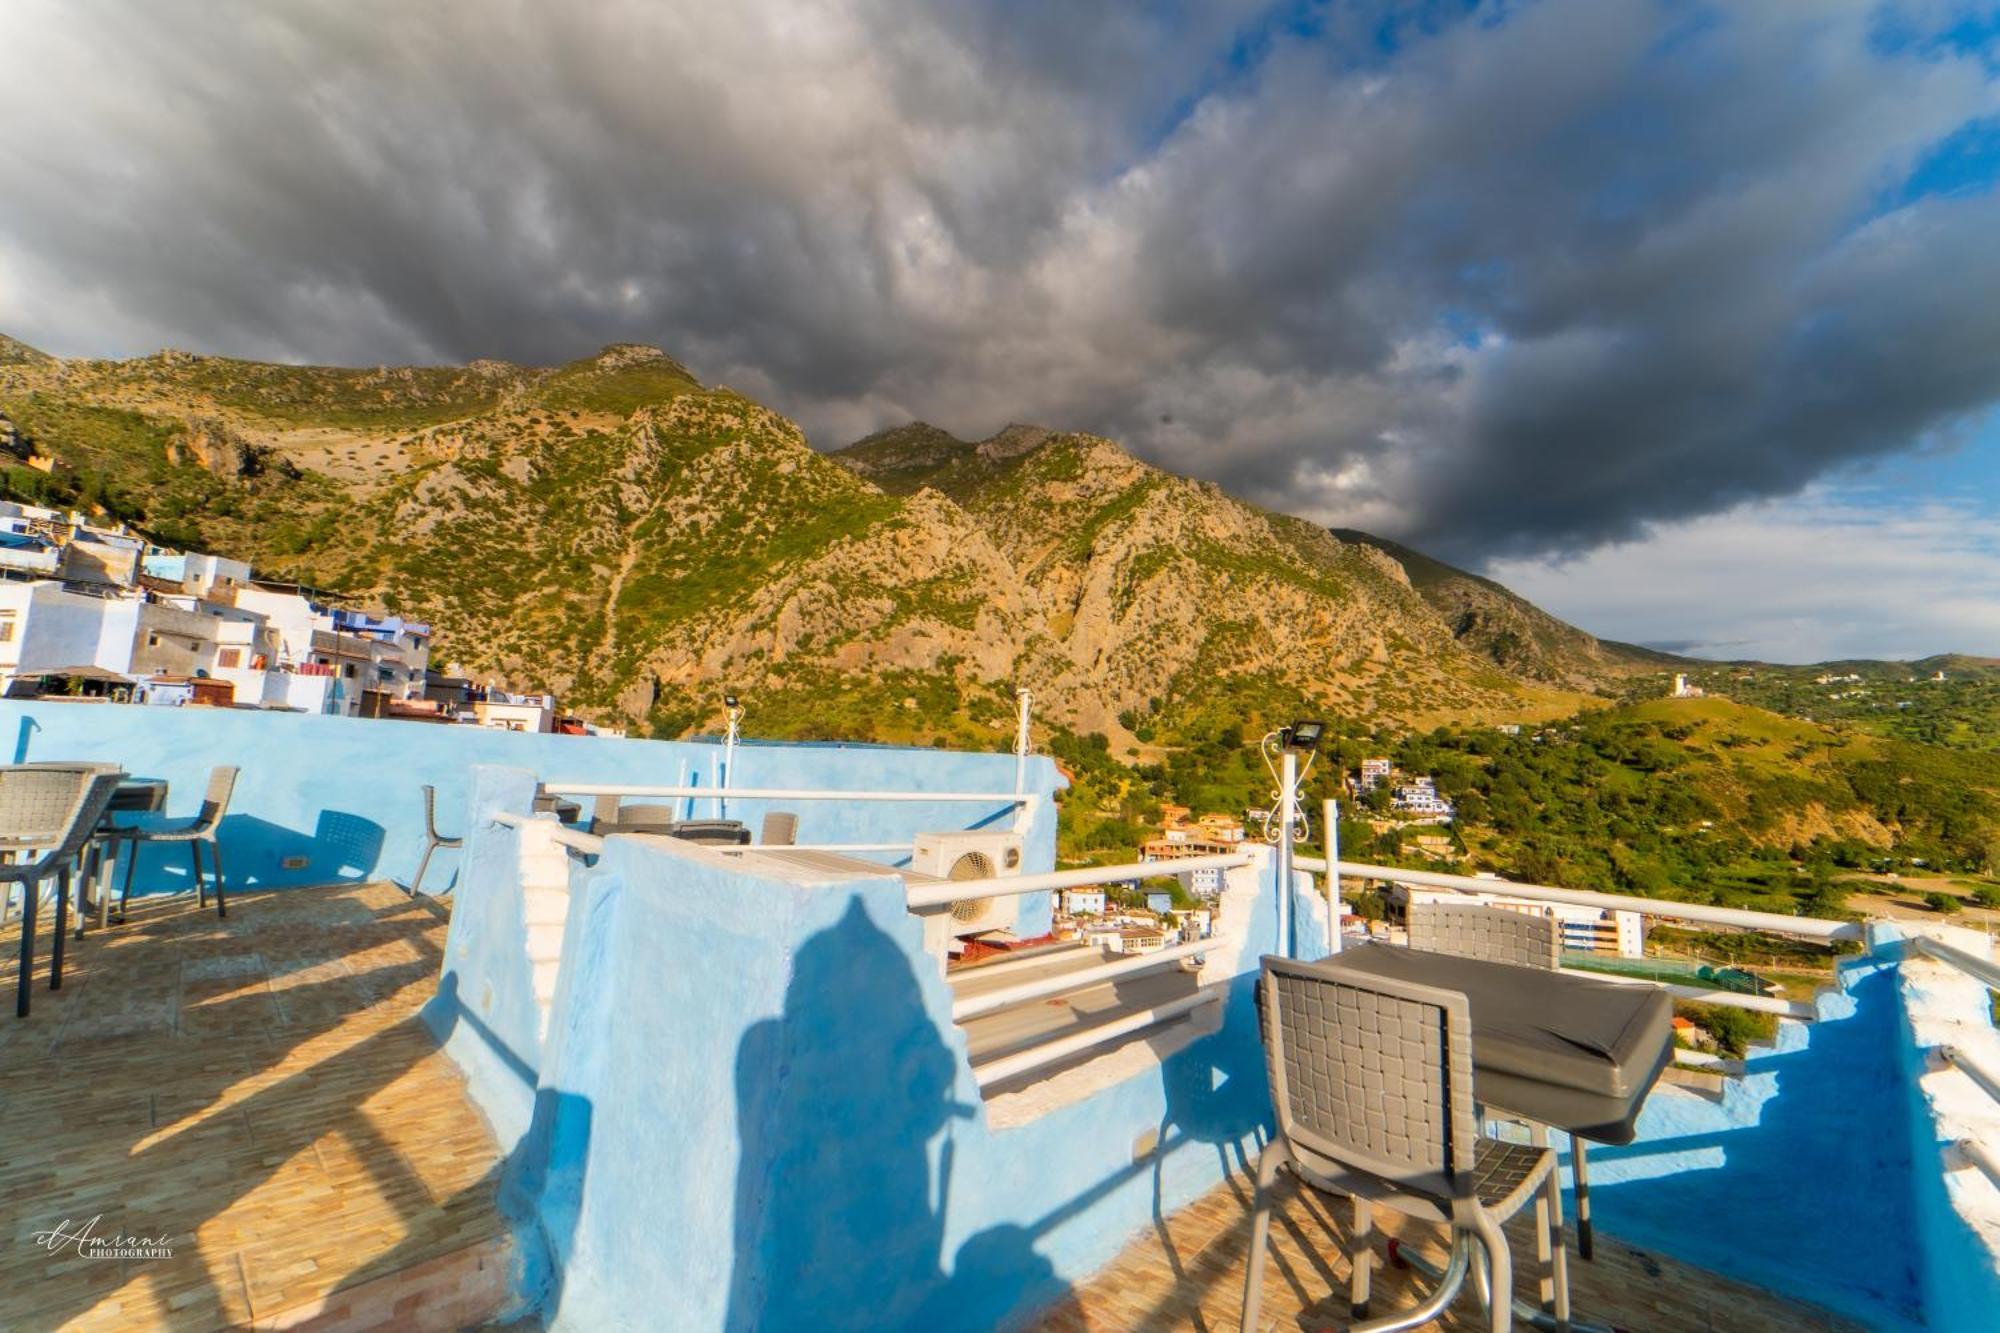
[152, 640]
[229, 657]
[6, 627]
[348, 671]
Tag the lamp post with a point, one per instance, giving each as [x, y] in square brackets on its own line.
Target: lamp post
[1295, 740]
[733, 711]
[1330, 812]
[1024, 702]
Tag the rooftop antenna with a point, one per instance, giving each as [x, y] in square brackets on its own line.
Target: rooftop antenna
[733, 711]
[1023, 743]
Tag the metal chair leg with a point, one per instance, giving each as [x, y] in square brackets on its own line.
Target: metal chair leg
[1268, 1162]
[1549, 1249]
[1500, 1265]
[215, 862]
[105, 872]
[1433, 1305]
[62, 929]
[1580, 1161]
[1361, 1257]
[200, 889]
[423, 864]
[24, 984]
[131, 864]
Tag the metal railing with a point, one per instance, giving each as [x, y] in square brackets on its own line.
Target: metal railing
[561, 834]
[1969, 1066]
[1982, 1157]
[1729, 918]
[791, 793]
[1000, 886]
[1979, 969]
[1081, 979]
[1735, 918]
[1062, 1048]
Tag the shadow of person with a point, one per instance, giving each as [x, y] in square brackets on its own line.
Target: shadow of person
[839, 1224]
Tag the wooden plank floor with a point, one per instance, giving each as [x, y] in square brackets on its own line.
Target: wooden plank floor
[1189, 1275]
[257, 1093]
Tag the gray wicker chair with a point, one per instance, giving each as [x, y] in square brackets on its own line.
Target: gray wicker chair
[432, 839]
[47, 816]
[196, 833]
[1491, 934]
[1503, 935]
[1371, 1081]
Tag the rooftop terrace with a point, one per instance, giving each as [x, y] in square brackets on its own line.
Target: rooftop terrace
[717, 1088]
[257, 1095]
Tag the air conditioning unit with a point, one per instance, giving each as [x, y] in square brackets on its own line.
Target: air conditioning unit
[968, 854]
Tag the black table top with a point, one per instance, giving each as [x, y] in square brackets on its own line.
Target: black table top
[1571, 1051]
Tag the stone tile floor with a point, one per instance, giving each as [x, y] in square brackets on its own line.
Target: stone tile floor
[258, 1094]
[1188, 1274]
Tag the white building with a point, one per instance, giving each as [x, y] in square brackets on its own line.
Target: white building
[1419, 796]
[1375, 772]
[1584, 929]
[1083, 902]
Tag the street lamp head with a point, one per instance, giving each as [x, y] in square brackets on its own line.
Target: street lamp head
[1302, 736]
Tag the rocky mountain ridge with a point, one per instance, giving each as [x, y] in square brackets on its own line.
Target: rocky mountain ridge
[617, 531]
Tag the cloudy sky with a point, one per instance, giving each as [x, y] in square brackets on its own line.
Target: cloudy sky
[1684, 318]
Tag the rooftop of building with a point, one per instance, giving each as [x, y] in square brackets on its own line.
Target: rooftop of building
[736, 1087]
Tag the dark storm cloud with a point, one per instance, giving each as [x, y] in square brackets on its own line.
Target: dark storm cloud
[1517, 281]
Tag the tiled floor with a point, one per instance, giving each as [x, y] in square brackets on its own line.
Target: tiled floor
[258, 1094]
[1190, 1276]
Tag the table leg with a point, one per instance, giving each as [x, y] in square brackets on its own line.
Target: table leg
[1580, 1161]
[1549, 1248]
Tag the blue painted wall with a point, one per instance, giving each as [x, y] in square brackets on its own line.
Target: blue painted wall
[1800, 1179]
[754, 1111]
[343, 792]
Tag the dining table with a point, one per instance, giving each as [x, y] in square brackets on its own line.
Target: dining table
[1556, 1049]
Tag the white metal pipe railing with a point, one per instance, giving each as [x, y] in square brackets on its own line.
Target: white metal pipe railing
[791, 793]
[1061, 1048]
[1734, 999]
[1987, 1080]
[1979, 969]
[1983, 1157]
[568, 837]
[1079, 980]
[958, 890]
[1734, 918]
[588, 843]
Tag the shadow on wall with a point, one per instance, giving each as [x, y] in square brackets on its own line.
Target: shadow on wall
[342, 847]
[839, 1224]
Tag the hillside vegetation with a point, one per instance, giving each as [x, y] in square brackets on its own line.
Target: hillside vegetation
[635, 540]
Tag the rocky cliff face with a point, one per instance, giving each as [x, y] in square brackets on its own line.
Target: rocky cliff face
[617, 531]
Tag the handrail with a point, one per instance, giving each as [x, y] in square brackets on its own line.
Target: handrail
[1806, 927]
[1982, 1157]
[1049, 1052]
[1081, 979]
[1988, 1081]
[588, 843]
[1763, 1004]
[947, 892]
[790, 793]
[1979, 969]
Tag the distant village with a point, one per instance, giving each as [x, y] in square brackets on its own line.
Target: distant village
[94, 613]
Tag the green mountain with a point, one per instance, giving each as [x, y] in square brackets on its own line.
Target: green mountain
[635, 540]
